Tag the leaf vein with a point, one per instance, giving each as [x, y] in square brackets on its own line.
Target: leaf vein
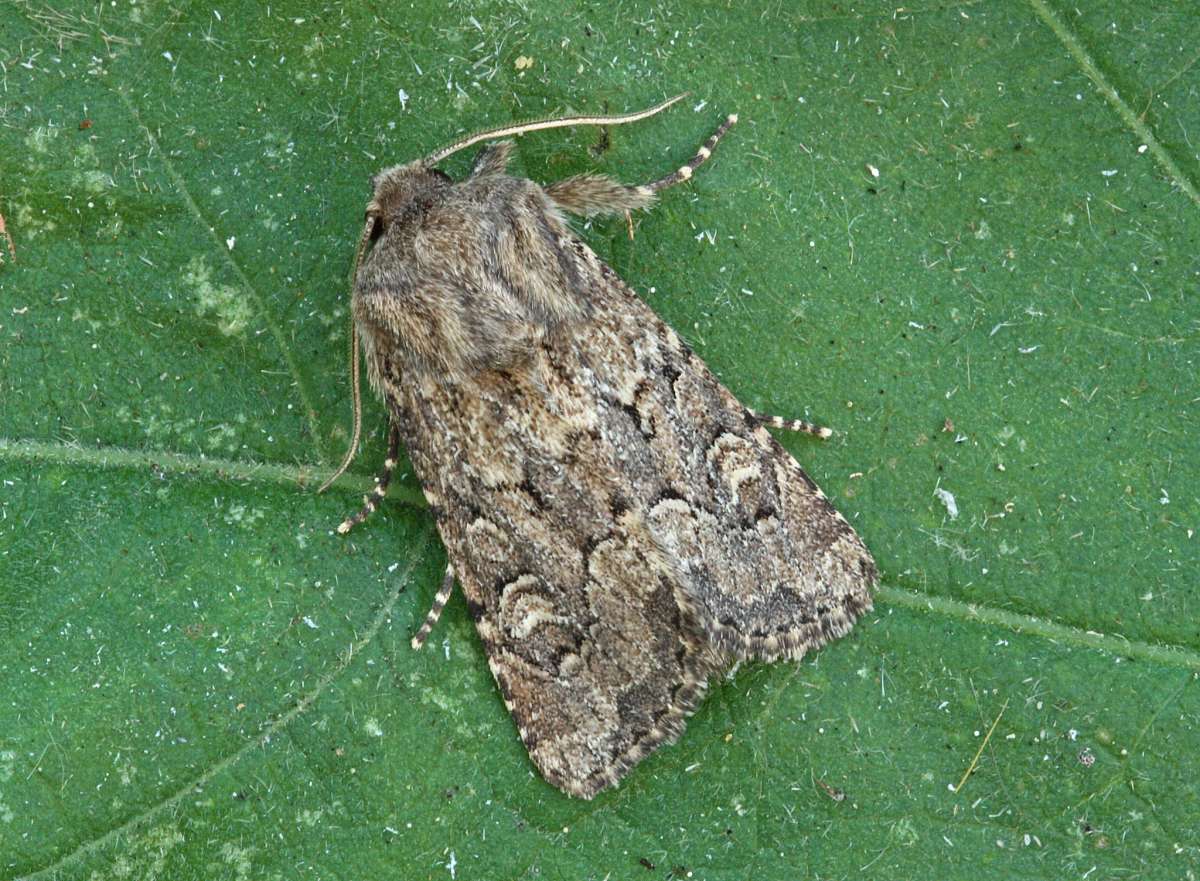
[1131, 119]
[272, 729]
[181, 186]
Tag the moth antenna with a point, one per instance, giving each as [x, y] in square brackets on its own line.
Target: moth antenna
[356, 396]
[534, 125]
[355, 378]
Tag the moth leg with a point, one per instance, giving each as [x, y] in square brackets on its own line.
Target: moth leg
[790, 424]
[435, 611]
[684, 172]
[372, 501]
[592, 194]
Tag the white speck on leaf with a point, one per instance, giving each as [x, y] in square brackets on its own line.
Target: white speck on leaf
[947, 498]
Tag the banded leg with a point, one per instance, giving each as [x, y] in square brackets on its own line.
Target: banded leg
[790, 424]
[593, 194]
[372, 501]
[685, 171]
[435, 611]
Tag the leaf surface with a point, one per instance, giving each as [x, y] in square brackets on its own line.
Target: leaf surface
[962, 235]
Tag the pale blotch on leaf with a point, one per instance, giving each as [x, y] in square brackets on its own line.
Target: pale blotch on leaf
[238, 858]
[904, 832]
[440, 700]
[221, 436]
[243, 516]
[86, 174]
[162, 424]
[231, 310]
[314, 47]
[277, 146]
[126, 773]
[146, 855]
[31, 223]
[39, 140]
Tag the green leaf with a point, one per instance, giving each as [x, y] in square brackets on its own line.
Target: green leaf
[963, 235]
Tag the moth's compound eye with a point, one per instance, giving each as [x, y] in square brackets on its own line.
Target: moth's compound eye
[374, 218]
[376, 226]
[437, 172]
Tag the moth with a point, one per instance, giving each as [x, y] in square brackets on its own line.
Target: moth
[622, 527]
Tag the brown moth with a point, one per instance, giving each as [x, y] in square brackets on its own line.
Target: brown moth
[622, 527]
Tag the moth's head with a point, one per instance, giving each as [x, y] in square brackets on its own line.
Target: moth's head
[400, 189]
